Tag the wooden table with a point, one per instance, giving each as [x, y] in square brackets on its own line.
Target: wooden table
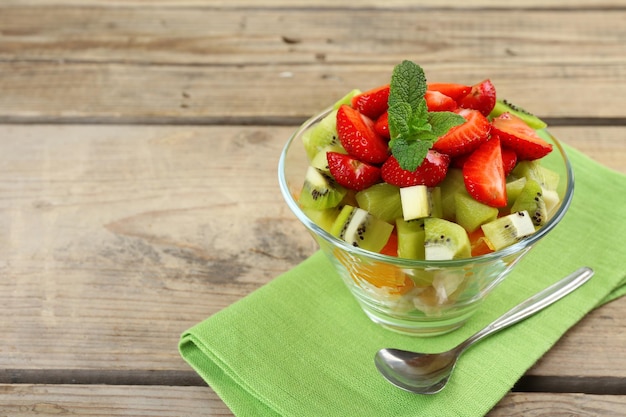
[138, 192]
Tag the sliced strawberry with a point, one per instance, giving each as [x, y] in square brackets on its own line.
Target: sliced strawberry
[483, 174]
[372, 103]
[465, 137]
[437, 101]
[518, 136]
[482, 97]
[350, 172]
[356, 134]
[430, 173]
[454, 91]
[382, 125]
[509, 159]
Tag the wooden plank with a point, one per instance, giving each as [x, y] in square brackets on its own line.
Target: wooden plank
[113, 93]
[547, 404]
[122, 400]
[110, 400]
[195, 65]
[115, 239]
[218, 36]
[306, 4]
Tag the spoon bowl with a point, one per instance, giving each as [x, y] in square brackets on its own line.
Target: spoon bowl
[428, 373]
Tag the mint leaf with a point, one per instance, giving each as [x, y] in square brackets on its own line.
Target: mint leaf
[408, 85]
[443, 121]
[410, 153]
[418, 120]
[399, 115]
[412, 128]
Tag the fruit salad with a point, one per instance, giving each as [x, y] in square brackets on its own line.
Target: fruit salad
[428, 170]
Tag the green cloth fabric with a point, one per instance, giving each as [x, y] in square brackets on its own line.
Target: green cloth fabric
[301, 346]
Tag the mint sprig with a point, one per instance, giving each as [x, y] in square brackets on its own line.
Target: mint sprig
[413, 129]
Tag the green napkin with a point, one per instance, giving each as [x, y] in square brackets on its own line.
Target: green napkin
[300, 345]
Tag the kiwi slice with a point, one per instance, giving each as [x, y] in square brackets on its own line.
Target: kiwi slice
[381, 200]
[513, 189]
[320, 190]
[450, 186]
[445, 240]
[504, 106]
[507, 230]
[323, 218]
[531, 200]
[347, 99]
[361, 229]
[321, 135]
[411, 236]
[533, 170]
[324, 133]
[320, 160]
[436, 208]
[471, 214]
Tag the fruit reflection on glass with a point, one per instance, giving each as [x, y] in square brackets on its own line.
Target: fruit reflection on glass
[424, 195]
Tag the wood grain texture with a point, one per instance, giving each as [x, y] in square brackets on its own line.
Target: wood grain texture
[223, 65]
[154, 237]
[337, 5]
[29, 400]
[138, 191]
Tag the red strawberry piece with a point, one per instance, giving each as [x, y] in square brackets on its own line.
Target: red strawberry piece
[515, 134]
[482, 97]
[458, 161]
[372, 103]
[382, 125]
[465, 137]
[509, 159]
[356, 134]
[483, 174]
[436, 101]
[430, 173]
[454, 91]
[350, 172]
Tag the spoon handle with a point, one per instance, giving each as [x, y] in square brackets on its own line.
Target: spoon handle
[532, 305]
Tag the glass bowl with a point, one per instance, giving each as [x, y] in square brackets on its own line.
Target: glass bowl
[421, 298]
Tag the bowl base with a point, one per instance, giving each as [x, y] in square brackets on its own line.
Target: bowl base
[419, 328]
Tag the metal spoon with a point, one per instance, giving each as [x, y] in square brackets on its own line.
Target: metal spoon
[428, 373]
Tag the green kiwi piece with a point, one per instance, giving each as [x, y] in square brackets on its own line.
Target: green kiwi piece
[547, 179]
[321, 135]
[323, 218]
[513, 189]
[531, 200]
[504, 106]
[347, 99]
[411, 235]
[507, 230]
[471, 214]
[381, 200]
[320, 160]
[533, 170]
[436, 208]
[450, 186]
[320, 190]
[361, 229]
[445, 240]
[324, 133]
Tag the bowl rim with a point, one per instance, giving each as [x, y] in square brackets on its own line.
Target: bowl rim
[517, 247]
